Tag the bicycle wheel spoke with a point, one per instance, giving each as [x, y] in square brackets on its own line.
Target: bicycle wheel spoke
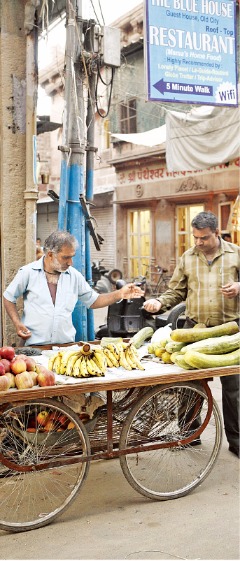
[46, 485]
[167, 416]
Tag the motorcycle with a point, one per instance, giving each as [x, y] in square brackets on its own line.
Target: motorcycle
[127, 317]
[103, 279]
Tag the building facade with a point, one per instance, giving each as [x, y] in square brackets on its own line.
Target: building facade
[142, 211]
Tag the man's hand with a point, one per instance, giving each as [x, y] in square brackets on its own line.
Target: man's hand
[231, 290]
[23, 331]
[131, 291]
[152, 305]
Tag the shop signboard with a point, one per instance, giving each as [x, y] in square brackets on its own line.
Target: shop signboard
[190, 51]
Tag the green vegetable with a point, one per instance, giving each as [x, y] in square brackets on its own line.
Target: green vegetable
[173, 346]
[139, 338]
[201, 360]
[180, 361]
[191, 335]
[215, 345]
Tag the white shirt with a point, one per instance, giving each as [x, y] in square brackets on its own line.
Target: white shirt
[47, 322]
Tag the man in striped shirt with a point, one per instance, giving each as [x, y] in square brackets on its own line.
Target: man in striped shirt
[207, 278]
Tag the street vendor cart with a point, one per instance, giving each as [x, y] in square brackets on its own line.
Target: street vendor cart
[147, 421]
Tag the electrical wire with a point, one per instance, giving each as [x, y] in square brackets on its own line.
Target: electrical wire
[100, 7]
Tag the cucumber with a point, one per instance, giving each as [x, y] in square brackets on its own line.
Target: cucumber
[106, 340]
[201, 360]
[215, 345]
[173, 346]
[192, 335]
[139, 338]
[180, 361]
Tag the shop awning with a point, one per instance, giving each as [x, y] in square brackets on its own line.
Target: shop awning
[204, 137]
[148, 138]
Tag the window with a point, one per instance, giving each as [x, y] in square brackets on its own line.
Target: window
[224, 213]
[128, 116]
[139, 247]
[185, 215]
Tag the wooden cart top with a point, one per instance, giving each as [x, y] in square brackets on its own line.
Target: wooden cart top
[118, 379]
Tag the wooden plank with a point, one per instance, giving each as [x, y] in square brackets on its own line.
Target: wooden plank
[117, 383]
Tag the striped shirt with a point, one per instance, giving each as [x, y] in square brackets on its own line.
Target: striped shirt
[198, 282]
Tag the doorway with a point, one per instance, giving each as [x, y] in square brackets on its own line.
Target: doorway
[139, 242]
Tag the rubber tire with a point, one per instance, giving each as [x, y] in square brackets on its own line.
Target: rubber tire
[168, 473]
[38, 497]
[175, 313]
[114, 275]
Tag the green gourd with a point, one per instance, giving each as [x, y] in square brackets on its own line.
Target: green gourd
[139, 338]
[201, 360]
[192, 335]
[215, 345]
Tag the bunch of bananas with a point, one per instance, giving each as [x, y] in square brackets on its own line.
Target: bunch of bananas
[83, 363]
[122, 354]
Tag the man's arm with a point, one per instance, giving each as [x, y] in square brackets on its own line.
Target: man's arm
[12, 312]
[126, 292]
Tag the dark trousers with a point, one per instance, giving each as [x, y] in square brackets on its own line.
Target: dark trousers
[230, 403]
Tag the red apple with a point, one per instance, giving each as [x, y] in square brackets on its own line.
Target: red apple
[42, 418]
[4, 383]
[17, 365]
[62, 420]
[30, 363]
[2, 369]
[11, 379]
[49, 426]
[46, 378]
[23, 380]
[40, 368]
[34, 377]
[6, 364]
[7, 352]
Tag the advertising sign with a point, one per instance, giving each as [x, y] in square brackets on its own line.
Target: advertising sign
[190, 51]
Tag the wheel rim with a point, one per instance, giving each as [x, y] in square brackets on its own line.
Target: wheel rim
[169, 472]
[32, 498]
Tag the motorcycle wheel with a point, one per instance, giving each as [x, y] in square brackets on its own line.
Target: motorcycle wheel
[176, 316]
[114, 275]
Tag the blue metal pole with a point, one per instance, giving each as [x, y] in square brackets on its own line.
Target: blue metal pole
[63, 195]
[70, 215]
[76, 225]
[89, 186]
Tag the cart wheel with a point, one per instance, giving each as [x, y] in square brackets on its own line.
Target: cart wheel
[114, 275]
[40, 471]
[161, 417]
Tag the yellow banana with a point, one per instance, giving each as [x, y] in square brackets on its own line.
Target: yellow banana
[51, 361]
[57, 363]
[114, 350]
[90, 368]
[76, 371]
[111, 359]
[133, 352]
[100, 361]
[130, 358]
[70, 363]
[83, 368]
[93, 368]
[109, 362]
[123, 361]
[65, 357]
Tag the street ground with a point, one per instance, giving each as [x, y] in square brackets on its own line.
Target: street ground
[109, 520]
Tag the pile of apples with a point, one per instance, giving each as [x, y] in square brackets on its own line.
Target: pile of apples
[48, 421]
[22, 372]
